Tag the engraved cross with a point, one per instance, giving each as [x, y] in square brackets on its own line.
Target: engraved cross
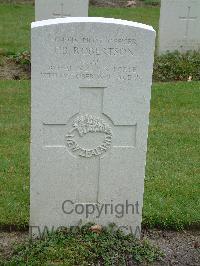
[188, 18]
[61, 14]
[95, 121]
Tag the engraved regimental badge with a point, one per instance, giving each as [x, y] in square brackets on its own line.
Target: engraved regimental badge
[89, 136]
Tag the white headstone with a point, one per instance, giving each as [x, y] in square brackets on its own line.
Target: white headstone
[179, 25]
[49, 9]
[91, 88]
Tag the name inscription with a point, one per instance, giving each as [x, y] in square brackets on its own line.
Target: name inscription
[94, 51]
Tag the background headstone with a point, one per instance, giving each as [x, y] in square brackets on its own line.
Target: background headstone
[47, 9]
[179, 25]
[91, 88]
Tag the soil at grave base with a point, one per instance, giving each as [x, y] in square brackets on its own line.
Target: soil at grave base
[120, 3]
[9, 70]
[180, 248]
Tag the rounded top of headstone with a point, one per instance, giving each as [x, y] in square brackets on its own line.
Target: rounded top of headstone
[90, 20]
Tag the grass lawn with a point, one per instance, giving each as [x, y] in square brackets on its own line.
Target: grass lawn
[14, 155]
[172, 174]
[15, 22]
[173, 166]
[15, 27]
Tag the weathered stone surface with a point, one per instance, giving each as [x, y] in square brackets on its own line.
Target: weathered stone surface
[179, 25]
[47, 9]
[91, 88]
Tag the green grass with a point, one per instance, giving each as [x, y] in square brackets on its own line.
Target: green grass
[84, 247]
[15, 22]
[15, 27]
[173, 168]
[172, 175]
[144, 15]
[14, 155]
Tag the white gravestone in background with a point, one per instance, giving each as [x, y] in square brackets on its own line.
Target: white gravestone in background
[91, 88]
[47, 9]
[179, 25]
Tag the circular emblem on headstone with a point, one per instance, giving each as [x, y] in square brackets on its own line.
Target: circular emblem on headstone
[89, 136]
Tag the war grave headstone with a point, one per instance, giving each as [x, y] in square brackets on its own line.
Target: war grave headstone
[91, 89]
[49, 9]
[179, 26]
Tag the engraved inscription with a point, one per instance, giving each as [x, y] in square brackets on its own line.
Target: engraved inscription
[87, 56]
[91, 71]
[94, 51]
[183, 43]
[94, 46]
[123, 40]
[83, 125]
